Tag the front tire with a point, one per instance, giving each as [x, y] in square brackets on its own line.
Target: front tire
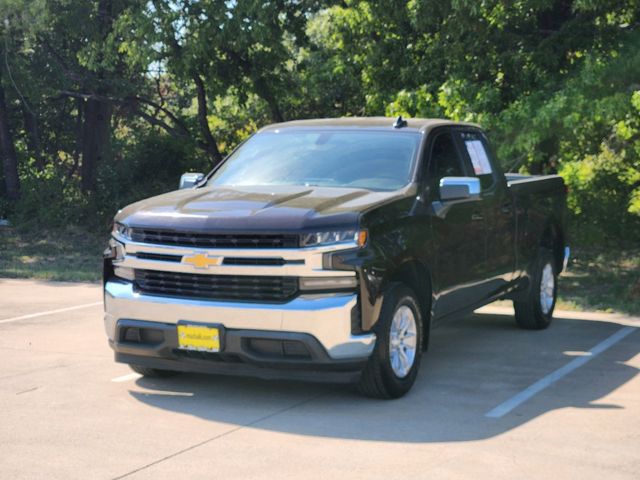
[536, 311]
[393, 366]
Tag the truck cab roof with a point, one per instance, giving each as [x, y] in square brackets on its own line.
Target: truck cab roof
[370, 123]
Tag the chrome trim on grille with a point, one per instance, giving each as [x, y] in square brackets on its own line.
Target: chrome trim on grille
[299, 262]
[160, 236]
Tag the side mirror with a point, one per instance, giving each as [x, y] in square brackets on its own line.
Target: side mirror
[188, 180]
[459, 188]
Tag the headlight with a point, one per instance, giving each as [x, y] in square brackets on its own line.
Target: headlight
[315, 239]
[121, 230]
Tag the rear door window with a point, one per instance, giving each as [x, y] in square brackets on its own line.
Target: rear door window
[479, 157]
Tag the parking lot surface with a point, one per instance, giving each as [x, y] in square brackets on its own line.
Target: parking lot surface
[491, 401]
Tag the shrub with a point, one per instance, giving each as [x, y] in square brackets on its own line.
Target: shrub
[149, 165]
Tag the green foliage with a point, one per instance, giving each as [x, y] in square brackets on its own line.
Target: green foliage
[601, 199]
[49, 198]
[555, 83]
[605, 186]
[150, 166]
[588, 129]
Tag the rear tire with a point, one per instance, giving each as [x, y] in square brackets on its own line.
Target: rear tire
[393, 366]
[536, 311]
[152, 372]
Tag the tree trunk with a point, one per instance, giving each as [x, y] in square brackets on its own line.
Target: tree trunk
[77, 150]
[209, 143]
[8, 152]
[33, 136]
[260, 84]
[264, 91]
[96, 131]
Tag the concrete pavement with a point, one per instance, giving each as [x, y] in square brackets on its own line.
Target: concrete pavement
[64, 416]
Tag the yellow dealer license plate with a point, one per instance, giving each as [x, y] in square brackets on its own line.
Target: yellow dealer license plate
[201, 338]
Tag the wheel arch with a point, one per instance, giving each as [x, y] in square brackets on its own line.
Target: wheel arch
[415, 275]
[553, 239]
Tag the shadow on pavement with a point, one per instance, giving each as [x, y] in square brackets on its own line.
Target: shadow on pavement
[473, 365]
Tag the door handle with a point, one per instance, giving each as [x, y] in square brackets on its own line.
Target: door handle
[477, 217]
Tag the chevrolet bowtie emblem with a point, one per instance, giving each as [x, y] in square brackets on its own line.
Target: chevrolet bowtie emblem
[201, 260]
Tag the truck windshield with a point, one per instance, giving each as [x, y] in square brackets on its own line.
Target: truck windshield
[328, 158]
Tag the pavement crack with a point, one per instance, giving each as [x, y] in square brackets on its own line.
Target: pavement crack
[27, 390]
[224, 434]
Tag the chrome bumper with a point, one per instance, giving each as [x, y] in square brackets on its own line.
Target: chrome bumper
[326, 317]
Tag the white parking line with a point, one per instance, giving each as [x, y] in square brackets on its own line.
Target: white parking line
[126, 378]
[553, 377]
[50, 312]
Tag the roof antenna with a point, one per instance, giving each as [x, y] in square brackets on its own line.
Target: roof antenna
[400, 122]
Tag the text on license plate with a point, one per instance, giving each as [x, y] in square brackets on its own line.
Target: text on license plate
[198, 337]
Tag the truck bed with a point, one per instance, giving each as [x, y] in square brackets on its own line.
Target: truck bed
[526, 184]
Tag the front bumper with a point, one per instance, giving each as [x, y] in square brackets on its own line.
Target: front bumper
[321, 323]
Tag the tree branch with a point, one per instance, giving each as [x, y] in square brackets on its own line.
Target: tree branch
[180, 129]
[212, 147]
[162, 109]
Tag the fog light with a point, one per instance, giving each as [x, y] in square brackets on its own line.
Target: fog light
[328, 283]
[124, 272]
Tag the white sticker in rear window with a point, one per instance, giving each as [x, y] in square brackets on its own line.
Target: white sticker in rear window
[478, 155]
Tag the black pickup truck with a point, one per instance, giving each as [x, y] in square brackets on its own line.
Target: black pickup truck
[328, 250]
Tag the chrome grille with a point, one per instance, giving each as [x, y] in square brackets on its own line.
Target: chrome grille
[219, 287]
[214, 240]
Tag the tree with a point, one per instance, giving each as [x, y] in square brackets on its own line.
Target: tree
[97, 94]
[7, 150]
[13, 15]
[213, 48]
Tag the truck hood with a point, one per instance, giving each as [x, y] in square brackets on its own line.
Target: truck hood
[255, 208]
